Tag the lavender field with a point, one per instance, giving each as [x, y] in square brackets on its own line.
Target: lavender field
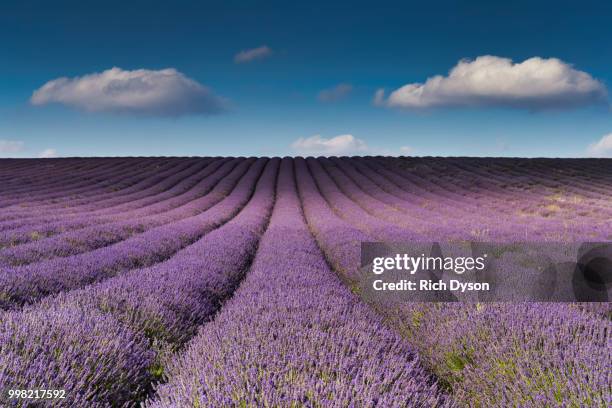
[221, 282]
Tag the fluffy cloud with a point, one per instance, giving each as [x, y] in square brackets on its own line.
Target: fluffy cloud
[252, 54]
[406, 150]
[336, 146]
[47, 154]
[166, 92]
[11, 146]
[536, 83]
[342, 145]
[336, 93]
[601, 148]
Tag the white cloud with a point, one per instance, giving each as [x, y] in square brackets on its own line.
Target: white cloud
[342, 145]
[252, 54]
[47, 154]
[166, 92]
[601, 148]
[336, 146]
[406, 150]
[336, 93]
[11, 146]
[536, 83]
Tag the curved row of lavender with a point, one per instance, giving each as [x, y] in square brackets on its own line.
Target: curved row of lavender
[67, 188]
[544, 355]
[138, 317]
[95, 229]
[110, 267]
[26, 284]
[294, 336]
[114, 194]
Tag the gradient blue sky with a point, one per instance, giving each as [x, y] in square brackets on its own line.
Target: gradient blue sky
[315, 46]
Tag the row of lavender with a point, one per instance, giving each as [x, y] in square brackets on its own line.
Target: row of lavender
[487, 355]
[174, 197]
[170, 222]
[443, 193]
[64, 184]
[28, 283]
[107, 343]
[293, 335]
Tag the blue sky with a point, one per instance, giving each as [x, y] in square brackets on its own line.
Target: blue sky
[270, 102]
